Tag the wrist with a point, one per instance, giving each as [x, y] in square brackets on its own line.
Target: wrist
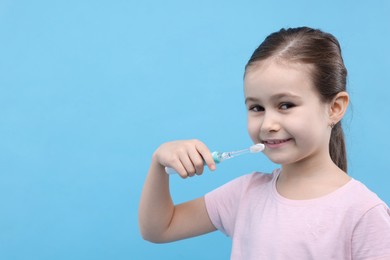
[156, 166]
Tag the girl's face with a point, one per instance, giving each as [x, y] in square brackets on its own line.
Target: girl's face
[285, 112]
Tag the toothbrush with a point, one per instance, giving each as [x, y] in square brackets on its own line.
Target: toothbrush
[219, 157]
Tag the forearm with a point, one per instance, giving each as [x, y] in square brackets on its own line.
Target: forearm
[159, 219]
[156, 207]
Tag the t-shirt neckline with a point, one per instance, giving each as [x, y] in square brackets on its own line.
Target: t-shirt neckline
[292, 202]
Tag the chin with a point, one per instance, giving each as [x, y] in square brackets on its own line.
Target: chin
[281, 159]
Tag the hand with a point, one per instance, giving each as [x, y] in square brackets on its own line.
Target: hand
[186, 157]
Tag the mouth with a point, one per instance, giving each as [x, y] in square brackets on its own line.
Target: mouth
[274, 143]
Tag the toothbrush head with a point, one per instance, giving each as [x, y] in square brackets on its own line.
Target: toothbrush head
[256, 148]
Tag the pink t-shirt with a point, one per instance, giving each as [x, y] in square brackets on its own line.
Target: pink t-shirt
[349, 223]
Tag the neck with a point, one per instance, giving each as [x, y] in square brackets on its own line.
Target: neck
[310, 179]
[312, 169]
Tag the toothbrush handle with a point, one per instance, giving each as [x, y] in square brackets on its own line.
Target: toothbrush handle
[216, 158]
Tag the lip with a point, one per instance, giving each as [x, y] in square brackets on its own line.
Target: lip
[276, 143]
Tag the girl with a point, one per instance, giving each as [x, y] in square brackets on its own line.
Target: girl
[295, 94]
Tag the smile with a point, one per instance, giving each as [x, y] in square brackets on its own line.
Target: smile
[276, 143]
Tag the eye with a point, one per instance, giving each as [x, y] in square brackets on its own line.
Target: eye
[256, 108]
[286, 106]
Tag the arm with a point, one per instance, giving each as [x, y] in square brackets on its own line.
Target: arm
[159, 219]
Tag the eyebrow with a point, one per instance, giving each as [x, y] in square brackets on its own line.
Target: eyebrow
[274, 97]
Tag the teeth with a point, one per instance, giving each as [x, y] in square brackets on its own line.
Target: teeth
[276, 141]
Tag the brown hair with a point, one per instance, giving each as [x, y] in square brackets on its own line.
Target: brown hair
[321, 50]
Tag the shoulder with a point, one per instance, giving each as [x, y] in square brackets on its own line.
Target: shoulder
[250, 181]
[361, 195]
[241, 186]
[355, 199]
[224, 203]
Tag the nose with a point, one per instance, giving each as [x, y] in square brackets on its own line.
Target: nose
[270, 123]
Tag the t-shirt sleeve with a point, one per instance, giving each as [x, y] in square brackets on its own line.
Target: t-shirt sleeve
[371, 237]
[223, 203]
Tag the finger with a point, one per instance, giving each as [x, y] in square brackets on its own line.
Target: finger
[197, 161]
[180, 169]
[188, 165]
[206, 155]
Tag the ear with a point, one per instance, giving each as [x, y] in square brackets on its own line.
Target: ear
[338, 107]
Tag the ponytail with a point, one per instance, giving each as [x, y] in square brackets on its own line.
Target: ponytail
[337, 147]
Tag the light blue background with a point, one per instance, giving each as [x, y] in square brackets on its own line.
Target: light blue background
[89, 89]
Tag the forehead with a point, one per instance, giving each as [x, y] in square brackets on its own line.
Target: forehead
[275, 77]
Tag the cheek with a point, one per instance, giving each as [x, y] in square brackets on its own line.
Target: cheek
[308, 129]
[253, 129]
